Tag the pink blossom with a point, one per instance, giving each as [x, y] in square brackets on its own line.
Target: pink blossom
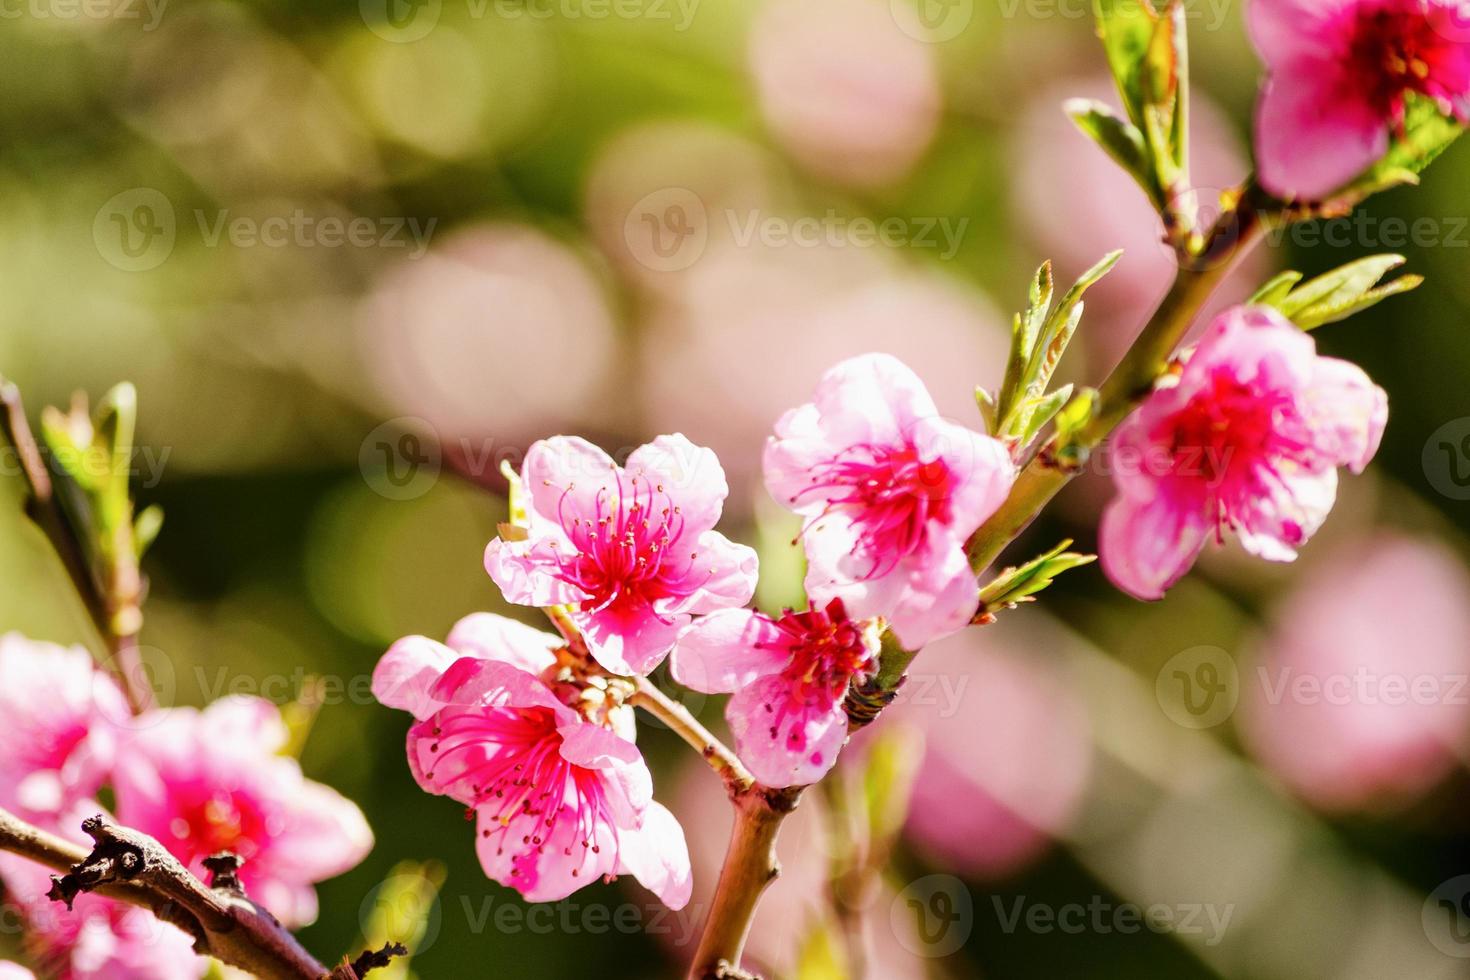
[59, 712]
[789, 677]
[1338, 74]
[99, 938]
[633, 549]
[890, 491]
[14, 971]
[1341, 709]
[212, 780]
[1248, 438]
[561, 796]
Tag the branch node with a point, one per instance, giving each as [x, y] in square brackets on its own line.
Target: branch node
[224, 872]
[373, 959]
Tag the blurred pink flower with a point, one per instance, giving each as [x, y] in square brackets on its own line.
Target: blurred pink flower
[1348, 709]
[789, 678]
[466, 335]
[844, 89]
[633, 548]
[211, 780]
[561, 797]
[59, 714]
[99, 938]
[890, 490]
[1338, 72]
[14, 971]
[1007, 754]
[707, 367]
[1248, 438]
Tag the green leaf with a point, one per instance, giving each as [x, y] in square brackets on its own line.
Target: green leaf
[515, 495]
[1076, 414]
[1337, 294]
[1126, 28]
[1119, 138]
[1275, 288]
[403, 908]
[1427, 133]
[986, 402]
[1042, 410]
[1021, 583]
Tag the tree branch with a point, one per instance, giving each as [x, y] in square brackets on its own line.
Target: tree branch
[134, 868]
[719, 756]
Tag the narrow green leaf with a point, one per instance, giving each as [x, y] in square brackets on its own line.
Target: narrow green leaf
[1325, 313]
[986, 402]
[1043, 410]
[1076, 414]
[1126, 28]
[1275, 288]
[1343, 283]
[146, 528]
[1119, 138]
[1021, 583]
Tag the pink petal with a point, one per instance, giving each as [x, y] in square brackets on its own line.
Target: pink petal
[691, 475]
[489, 683]
[1273, 525]
[658, 856]
[1285, 31]
[727, 650]
[405, 674]
[790, 456]
[562, 476]
[243, 724]
[558, 868]
[1146, 545]
[721, 574]
[626, 781]
[327, 834]
[782, 742]
[527, 571]
[1348, 413]
[1312, 135]
[629, 642]
[980, 468]
[872, 398]
[490, 637]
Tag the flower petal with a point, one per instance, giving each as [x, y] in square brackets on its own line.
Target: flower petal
[491, 637]
[782, 741]
[1311, 139]
[1146, 545]
[658, 856]
[405, 674]
[631, 641]
[720, 574]
[691, 475]
[727, 650]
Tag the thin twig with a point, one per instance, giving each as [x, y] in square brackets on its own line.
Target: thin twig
[719, 756]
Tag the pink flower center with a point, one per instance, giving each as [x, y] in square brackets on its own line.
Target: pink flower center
[827, 650]
[1398, 47]
[208, 821]
[1229, 438]
[888, 493]
[512, 758]
[623, 558]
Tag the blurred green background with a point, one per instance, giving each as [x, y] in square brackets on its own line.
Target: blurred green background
[355, 255]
